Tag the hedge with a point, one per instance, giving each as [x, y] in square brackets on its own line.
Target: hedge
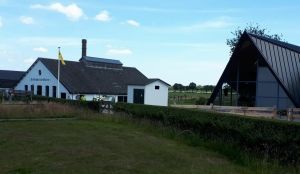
[266, 138]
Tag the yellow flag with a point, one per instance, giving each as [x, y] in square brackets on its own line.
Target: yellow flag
[61, 58]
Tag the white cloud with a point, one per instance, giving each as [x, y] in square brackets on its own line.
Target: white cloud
[103, 16]
[72, 11]
[133, 23]
[29, 60]
[40, 49]
[118, 52]
[1, 23]
[27, 20]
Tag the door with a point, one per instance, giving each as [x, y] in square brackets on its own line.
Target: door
[39, 90]
[138, 96]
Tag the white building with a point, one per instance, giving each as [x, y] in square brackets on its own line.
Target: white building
[92, 78]
[154, 92]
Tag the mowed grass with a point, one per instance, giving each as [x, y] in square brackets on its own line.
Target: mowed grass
[100, 146]
[187, 97]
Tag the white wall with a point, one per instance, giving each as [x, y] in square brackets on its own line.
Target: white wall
[45, 79]
[156, 96]
[152, 96]
[130, 89]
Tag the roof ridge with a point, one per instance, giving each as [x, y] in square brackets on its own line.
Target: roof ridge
[279, 43]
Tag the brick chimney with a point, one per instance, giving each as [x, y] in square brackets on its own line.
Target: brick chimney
[84, 42]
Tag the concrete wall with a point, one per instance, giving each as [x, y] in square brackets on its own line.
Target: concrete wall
[268, 91]
[45, 79]
[156, 96]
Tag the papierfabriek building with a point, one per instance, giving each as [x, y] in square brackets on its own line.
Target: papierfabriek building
[91, 78]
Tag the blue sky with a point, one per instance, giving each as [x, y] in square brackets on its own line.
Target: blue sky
[177, 41]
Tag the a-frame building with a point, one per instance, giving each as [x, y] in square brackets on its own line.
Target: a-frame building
[261, 72]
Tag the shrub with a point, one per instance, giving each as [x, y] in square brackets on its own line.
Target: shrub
[267, 139]
[201, 101]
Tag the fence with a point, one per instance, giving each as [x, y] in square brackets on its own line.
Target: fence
[268, 112]
[293, 113]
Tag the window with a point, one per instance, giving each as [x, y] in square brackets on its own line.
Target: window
[39, 90]
[26, 87]
[40, 72]
[156, 87]
[122, 99]
[47, 91]
[63, 95]
[32, 89]
[54, 91]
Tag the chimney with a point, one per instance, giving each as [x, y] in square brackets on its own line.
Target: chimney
[83, 48]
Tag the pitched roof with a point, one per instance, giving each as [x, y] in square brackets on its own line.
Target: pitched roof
[156, 79]
[8, 79]
[283, 60]
[78, 78]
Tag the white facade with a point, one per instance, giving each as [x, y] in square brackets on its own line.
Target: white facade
[155, 93]
[39, 75]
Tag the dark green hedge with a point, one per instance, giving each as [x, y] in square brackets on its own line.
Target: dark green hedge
[267, 139]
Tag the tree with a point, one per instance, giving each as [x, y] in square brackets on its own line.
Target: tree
[208, 88]
[178, 86]
[192, 86]
[256, 29]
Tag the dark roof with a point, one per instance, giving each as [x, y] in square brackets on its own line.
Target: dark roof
[78, 78]
[9, 79]
[156, 79]
[276, 42]
[102, 60]
[283, 60]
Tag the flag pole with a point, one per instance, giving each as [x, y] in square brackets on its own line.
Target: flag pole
[58, 72]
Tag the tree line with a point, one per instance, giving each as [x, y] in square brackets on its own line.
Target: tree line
[192, 87]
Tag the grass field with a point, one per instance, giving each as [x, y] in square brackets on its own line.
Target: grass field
[92, 143]
[186, 97]
[100, 146]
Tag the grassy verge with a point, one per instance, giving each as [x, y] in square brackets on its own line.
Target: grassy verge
[100, 146]
[40, 110]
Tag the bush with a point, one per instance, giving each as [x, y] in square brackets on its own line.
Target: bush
[201, 101]
[267, 139]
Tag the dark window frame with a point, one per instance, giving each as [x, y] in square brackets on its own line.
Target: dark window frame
[157, 87]
[47, 91]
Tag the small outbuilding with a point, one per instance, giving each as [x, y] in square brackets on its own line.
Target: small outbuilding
[261, 72]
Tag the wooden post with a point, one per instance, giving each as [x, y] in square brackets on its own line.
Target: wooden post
[211, 106]
[290, 114]
[274, 114]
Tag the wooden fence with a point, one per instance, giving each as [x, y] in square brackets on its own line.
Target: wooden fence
[293, 113]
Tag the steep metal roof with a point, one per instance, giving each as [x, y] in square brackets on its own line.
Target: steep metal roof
[283, 60]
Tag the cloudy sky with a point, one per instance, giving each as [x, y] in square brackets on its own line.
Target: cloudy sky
[178, 41]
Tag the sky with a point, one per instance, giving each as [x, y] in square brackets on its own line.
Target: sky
[175, 40]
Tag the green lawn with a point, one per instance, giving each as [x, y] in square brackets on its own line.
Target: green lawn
[101, 146]
[186, 97]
